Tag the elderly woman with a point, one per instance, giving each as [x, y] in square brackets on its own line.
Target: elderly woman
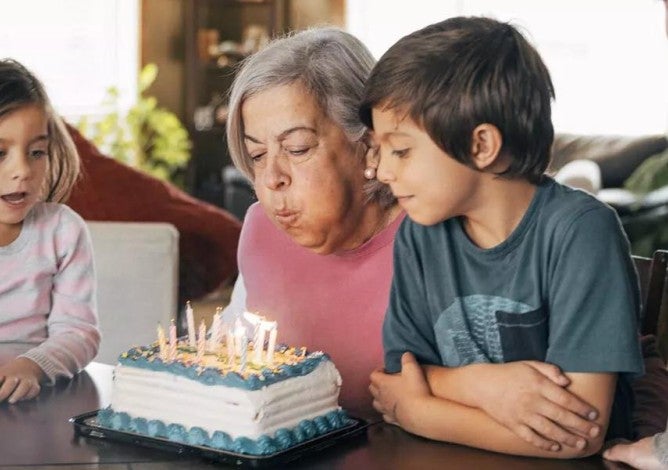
[315, 253]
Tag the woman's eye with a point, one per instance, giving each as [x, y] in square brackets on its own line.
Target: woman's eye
[400, 153]
[257, 157]
[38, 154]
[297, 151]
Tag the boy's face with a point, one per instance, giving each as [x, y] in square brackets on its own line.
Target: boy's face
[429, 184]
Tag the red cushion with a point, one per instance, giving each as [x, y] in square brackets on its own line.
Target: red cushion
[208, 236]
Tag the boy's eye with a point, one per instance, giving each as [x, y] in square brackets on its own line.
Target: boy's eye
[399, 153]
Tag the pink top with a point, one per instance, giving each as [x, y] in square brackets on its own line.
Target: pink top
[332, 303]
[47, 291]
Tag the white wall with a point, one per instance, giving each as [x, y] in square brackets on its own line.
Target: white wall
[78, 48]
[608, 58]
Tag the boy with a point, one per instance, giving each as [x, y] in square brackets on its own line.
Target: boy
[498, 263]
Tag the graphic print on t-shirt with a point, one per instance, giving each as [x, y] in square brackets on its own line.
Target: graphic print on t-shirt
[483, 328]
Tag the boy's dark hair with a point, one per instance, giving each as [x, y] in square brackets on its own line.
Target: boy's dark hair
[454, 75]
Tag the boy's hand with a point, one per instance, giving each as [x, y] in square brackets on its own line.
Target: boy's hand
[530, 399]
[19, 380]
[394, 393]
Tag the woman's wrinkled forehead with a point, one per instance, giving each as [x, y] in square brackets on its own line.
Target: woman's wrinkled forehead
[279, 111]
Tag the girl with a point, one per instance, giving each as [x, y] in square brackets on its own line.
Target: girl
[48, 318]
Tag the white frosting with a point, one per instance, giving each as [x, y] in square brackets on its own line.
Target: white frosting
[172, 398]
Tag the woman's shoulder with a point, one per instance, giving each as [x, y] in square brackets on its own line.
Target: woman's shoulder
[259, 231]
[257, 221]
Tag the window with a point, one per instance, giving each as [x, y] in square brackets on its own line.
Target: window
[78, 48]
[608, 58]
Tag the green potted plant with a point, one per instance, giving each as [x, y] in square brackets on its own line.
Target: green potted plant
[147, 136]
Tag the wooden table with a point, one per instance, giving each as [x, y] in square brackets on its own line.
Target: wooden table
[37, 435]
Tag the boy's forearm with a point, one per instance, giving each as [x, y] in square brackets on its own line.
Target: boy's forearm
[458, 384]
[445, 420]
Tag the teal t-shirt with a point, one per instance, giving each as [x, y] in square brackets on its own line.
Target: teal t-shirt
[562, 288]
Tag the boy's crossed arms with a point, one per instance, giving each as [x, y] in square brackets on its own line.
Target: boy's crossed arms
[524, 408]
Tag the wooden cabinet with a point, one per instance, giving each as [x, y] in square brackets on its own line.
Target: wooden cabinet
[218, 34]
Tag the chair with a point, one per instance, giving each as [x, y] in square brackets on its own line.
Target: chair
[137, 282]
[652, 275]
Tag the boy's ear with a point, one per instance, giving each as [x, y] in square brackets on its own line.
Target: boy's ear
[486, 143]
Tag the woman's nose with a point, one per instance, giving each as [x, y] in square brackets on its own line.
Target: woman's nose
[276, 175]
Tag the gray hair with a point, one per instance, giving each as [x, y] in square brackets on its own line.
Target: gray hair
[331, 64]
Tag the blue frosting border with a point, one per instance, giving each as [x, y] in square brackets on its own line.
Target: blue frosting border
[137, 357]
[264, 445]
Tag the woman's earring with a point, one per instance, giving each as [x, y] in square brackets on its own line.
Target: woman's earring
[370, 173]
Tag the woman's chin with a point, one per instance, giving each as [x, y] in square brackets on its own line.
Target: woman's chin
[315, 244]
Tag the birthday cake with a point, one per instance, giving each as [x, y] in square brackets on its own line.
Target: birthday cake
[247, 401]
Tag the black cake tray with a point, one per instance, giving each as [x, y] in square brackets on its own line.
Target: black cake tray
[86, 425]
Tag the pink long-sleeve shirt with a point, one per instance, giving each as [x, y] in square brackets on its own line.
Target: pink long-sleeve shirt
[332, 303]
[47, 292]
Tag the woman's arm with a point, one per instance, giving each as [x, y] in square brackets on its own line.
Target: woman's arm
[405, 399]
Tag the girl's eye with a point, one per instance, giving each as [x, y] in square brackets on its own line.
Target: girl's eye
[2, 153]
[400, 153]
[38, 154]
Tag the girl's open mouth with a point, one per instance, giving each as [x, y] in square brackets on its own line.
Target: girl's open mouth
[14, 198]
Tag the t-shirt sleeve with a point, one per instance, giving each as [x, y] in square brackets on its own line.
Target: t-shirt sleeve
[407, 326]
[594, 297]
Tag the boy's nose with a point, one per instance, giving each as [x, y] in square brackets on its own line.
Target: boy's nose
[384, 172]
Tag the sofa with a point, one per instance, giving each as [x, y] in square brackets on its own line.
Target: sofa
[154, 247]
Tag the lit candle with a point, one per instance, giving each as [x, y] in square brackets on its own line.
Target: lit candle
[239, 332]
[172, 341]
[252, 318]
[255, 322]
[244, 352]
[241, 342]
[190, 317]
[272, 342]
[214, 339]
[258, 345]
[201, 340]
[229, 340]
[162, 343]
